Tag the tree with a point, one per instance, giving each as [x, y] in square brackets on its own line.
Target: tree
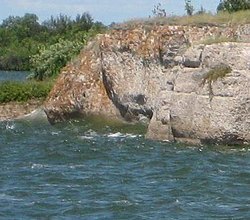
[83, 22]
[59, 25]
[189, 7]
[201, 11]
[22, 27]
[233, 5]
[158, 11]
[23, 37]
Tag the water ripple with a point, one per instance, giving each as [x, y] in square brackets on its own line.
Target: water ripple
[71, 171]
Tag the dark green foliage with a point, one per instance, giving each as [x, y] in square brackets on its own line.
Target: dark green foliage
[49, 61]
[233, 5]
[158, 11]
[189, 7]
[23, 37]
[23, 91]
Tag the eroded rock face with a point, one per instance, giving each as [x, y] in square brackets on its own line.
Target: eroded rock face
[194, 113]
[158, 73]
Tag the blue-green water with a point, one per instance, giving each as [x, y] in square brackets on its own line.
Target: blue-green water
[76, 170]
[13, 75]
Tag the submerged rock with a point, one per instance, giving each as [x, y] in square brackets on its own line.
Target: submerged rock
[160, 73]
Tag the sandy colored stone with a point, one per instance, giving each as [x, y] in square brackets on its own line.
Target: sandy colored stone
[158, 72]
[14, 110]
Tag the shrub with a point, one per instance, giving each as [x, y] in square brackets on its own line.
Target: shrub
[219, 71]
[216, 72]
[23, 91]
[218, 39]
[49, 61]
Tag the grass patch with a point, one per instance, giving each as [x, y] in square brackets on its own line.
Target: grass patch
[217, 40]
[222, 18]
[24, 91]
[219, 71]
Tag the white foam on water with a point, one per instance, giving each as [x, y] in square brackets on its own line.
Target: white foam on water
[121, 135]
[10, 125]
[37, 166]
[114, 135]
[89, 135]
[55, 133]
[85, 137]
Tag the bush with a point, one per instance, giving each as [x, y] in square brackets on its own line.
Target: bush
[217, 72]
[49, 61]
[233, 5]
[23, 91]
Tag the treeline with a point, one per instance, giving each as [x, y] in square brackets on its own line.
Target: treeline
[23, 40]
[233, 5]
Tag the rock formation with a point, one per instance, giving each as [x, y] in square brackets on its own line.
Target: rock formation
[167, 74]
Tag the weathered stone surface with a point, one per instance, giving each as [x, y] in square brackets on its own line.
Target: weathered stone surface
[243, 33]
[157, 130]
[155, 73]
[13, 110]
[192, 57]
[222, 118]
[80, 89]
[236, 55]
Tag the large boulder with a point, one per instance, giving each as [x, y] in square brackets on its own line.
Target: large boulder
[212, 111]
[165, 75]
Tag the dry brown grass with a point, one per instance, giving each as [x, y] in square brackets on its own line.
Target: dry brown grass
[241, 17]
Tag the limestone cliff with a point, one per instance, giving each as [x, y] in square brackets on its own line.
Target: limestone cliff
[161, 73]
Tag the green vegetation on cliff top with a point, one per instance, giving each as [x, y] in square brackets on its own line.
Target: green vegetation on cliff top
[222, 18]
[44, 48]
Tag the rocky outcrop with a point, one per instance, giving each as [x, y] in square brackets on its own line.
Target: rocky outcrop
[165, 74]
[14, 110]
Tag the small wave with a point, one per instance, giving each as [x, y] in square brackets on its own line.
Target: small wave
[37, 166]
[8, 198]
[10, 125]
[121, 135]
[123, 202]
[55, 133]
[88, 135]
[85, 137]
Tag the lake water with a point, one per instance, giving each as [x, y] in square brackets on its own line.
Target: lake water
[81, 170]
[88, 170]
[13, 75]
